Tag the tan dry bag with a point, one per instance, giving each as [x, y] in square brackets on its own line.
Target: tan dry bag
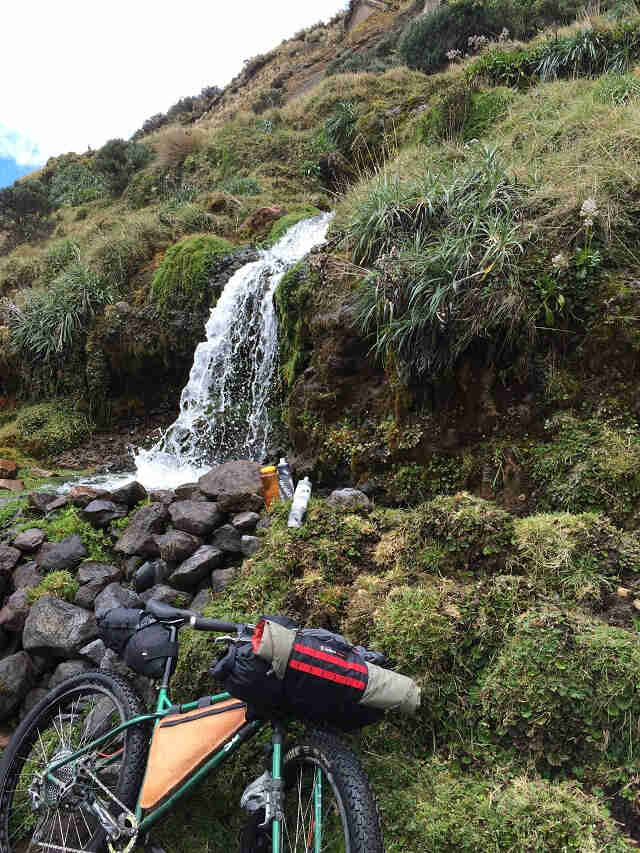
[182, 743]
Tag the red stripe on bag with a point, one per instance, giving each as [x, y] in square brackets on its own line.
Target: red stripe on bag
[329, 676]
[314, 653]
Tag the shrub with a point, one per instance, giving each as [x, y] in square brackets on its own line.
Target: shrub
[242, 186]
[118, 258]
[60, 584]
[618, 89]
[180, 283]
[17, 273]
[48, 428]
[463, 113]
[117, 160]
[76, 183]
[24, 208]
[340, 126]
[564, 688]
[175, 145]
[58, 257]
[266, 100]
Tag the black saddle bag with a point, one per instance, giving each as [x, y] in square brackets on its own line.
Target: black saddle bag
[143, 643]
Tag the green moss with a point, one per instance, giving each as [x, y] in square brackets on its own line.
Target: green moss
[459, 112]
[564, 688]
[293, 299]
[48, 428]
[9, 510]
[69, 523]
[61, 584]
[282, 225]
[180, 282]
[412, 484]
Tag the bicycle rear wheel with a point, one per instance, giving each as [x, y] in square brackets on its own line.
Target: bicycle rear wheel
[329, 806]
[38, 815]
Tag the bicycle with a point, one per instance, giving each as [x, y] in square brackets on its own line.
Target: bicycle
[78, 774]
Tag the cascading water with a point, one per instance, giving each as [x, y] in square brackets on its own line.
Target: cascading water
[224, 406]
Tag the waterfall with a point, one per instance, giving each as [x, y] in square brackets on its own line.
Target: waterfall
[224, 408]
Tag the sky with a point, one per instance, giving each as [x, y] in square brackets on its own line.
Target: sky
[78, 72]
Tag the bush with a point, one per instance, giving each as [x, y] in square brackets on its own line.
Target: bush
[340, 126]
[463, 113]
[117, 161]
[266, 100]
[24, 208]
[564, 688]
[48, 428]
[181, 280]
[58, 257]
[618, 89]
[174, 146]
[76, 183]
[60, 584]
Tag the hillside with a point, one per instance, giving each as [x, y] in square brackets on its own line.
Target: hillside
[464, 348]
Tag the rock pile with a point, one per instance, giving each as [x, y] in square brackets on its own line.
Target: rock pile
[179, 547]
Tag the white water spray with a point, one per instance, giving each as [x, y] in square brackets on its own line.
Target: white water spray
[224, 406]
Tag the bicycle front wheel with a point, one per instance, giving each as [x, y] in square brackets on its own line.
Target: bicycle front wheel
[329, 806]
[60, 812]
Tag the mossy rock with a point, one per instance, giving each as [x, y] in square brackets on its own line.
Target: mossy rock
[564, 688]
[61, 584]
[293, 299]
[180, 283]
[282, 225]
[68, 522]
[48, 428]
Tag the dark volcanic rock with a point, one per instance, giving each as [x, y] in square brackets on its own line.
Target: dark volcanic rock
[17, 676]
[250, 544]
[202, 599]
[149, 574]
[139, 537]
[349, 499]
[55, 628]
[40, 501]
[197, 567]
[115, 595]
[8, 558]
[67, 669]
[29, 540]
[163, 496]
[196, 517]
[26, 575]
[54, 556]
[93, 578]
[190, 492]
[130, 494]
[166, 594]
[101, 513]
[221, 578]
[176, 545]
[31, 700]
[235, 486]
[81, 496]
[245, 522]
[14, 614]
[95, 651]
[227, 538]
[58, 503]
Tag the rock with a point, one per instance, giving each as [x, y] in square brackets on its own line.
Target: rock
[40, 500]
[623, 592]
[115, 595]
[221, 578]
[189, 574]
[176, 545]
[66, 554]
[349, 499]
[197, 517]
[164, 593]
[41, 473]
[101, 513]
[131, 566]
[163, 496]
[8, 469]
[250, 544]
[636, 604]
[190, 492]
[14, 614]
[67, 669]
[258, 220]
[139, 537]
[93, 578]
[149, 574]
[29, 540]
[57, 503]
[202, 599]
[55, 628]
[17, 677]
[245, 522]
[235, 486]
[27, 575]
[144, 686]
[264, 523]
[31, 700]
[227, 538]
[81, 496]
[94, 650]
[12, 485]
[9, 558]
[129, 494]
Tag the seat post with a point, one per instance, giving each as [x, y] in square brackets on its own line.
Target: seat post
[173, 634]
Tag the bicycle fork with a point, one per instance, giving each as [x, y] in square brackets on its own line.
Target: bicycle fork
[314, 840]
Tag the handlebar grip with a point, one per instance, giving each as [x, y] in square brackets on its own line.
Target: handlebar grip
[202, 624]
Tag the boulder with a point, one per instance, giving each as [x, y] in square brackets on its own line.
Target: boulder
[197, 517]
[14, 614]
[149, 574]
[8, 469]
[42, 473]
[189, 574]
[93, 578]
[258, 220]
[29, 540]
[235, 486]
[31, 700]
[139, 537]
[221, 578]
[101, 513]
[245, 522]
[115, 595]
[55, 628]
[190, 492]
[95, 651]
[40, 500]
[12, 485]
[27, 575]
[66, 554]
[176, 545]
[129, 494]
[202, 600]
[250, 544]
[349, 499]
[162, 496]
[9, 558]
[131, 566]
[17, 677]
[57, 503]
[165, 594]
[80, 496]
[67, 669]
[227, 539]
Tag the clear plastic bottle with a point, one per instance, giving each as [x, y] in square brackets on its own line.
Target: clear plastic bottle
[285, 480]
[300, 500]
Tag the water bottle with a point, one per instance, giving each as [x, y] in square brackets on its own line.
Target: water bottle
[285, 480]
[300, 500]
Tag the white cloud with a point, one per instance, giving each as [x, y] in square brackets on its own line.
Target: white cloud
[13, 146]
[77, 72]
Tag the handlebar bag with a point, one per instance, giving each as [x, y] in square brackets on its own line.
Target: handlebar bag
[143, 643]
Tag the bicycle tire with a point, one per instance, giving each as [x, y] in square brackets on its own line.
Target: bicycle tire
[350, 810]
[77, 711]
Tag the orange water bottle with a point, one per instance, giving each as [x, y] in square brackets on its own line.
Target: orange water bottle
[270, 488]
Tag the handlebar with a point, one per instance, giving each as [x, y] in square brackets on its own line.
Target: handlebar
[165, 612]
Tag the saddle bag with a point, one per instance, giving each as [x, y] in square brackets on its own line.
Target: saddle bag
[143, 643]
[313, 674]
